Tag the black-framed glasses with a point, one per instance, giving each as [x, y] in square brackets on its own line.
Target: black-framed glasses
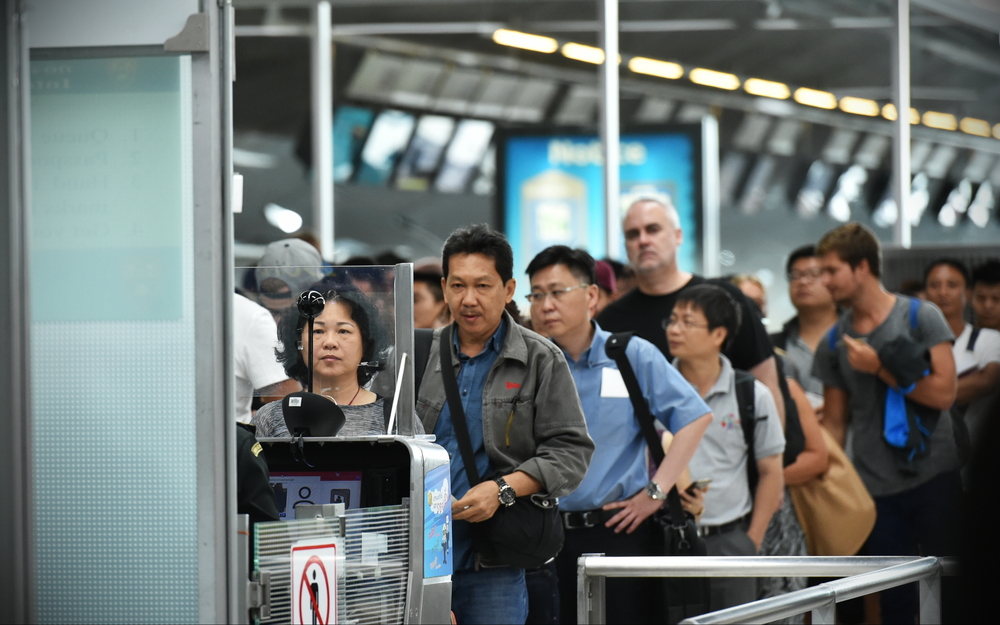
[809, 274]
[537, 297]
[687, 325]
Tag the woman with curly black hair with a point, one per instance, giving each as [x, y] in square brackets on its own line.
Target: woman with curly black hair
[348, 339]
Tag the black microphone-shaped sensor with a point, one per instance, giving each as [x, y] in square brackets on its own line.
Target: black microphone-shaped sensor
[311, 304]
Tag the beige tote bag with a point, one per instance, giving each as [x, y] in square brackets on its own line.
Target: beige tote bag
[835, 510]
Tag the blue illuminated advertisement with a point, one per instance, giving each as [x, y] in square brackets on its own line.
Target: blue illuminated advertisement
[438, 553]
[553, 191]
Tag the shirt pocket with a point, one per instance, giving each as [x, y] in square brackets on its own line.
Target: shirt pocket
[514, 427]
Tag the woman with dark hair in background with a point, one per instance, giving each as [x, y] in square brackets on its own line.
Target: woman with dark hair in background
[347, 339]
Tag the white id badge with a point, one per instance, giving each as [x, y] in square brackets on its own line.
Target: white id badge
[612, 383]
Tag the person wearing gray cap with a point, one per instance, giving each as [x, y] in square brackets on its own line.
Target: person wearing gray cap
[285, 270]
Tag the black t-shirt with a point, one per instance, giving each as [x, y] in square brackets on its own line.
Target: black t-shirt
[644, 314]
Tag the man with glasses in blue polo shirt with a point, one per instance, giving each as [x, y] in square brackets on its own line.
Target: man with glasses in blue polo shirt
[609, 512]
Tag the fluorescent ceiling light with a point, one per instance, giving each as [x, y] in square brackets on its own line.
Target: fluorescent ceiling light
[972, 126]
[941, 121]
[859, 106]
[286, 220]
[652, 67]
[767, 88]
[889, 112]
[813, 97]
[712, 78]
[580, 52]
[525, 41]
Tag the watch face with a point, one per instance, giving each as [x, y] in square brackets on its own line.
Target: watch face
[506, 494]
[654, 491]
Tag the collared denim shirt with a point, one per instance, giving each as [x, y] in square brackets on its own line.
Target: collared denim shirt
[531, 415]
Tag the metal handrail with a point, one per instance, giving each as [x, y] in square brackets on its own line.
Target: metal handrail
[825, 595]
[736, 566]
[862, 575]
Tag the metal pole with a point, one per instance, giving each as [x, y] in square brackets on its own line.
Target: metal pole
[610, 128]
[901, 136]
[322, 126]
[825, 615]
[930, 598]
[589, 593]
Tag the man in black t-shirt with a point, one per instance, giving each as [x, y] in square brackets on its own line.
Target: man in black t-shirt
[652, 236]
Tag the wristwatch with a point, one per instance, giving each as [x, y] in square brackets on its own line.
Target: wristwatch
[654, 491]
[506, 494]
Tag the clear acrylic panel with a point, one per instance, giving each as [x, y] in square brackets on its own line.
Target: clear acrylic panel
[370, 294]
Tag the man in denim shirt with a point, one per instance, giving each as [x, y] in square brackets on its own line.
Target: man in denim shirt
[523, 414]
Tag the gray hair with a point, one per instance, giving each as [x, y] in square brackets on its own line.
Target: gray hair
[667, 206]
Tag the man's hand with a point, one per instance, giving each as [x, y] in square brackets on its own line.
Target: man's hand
[694, 502]
[862, 356]
[479, 503]
[634, 511]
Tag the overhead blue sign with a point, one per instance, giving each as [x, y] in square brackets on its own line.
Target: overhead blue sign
[553, 191]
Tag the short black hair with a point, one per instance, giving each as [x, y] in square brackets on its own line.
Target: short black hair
[374, 337]
[480, 239]
[806, 251]
[580, 263]
[433, 281]
[988, 273]
[954, 263]
[718, 306]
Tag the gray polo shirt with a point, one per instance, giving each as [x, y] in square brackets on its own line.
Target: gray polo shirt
[874, 458]
[801, 357]
[722, 453]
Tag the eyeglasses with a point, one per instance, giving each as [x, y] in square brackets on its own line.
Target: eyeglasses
[688, 325]
[537, 297]
[809, 274]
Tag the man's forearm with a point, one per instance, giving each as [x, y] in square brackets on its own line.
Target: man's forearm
[681, 450]
[978, 384]
[767, 500]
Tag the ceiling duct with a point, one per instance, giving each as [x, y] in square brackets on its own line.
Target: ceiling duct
[458, 89]
[872, 151]
[579, 106]
[784, 139]
[840, 146]
[751, 132]
[654, 111]
[530, 104]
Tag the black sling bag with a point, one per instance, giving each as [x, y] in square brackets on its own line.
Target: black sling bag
[524, 535]
[683, 596]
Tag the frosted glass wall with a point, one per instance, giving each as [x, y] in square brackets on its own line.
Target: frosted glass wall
[113, 340]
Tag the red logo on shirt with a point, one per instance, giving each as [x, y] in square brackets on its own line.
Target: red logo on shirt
[511, 385]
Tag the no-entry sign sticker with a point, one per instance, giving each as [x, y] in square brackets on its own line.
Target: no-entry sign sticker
[314, 583]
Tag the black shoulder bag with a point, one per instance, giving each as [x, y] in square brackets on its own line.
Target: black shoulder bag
[683, 596]
[525, 535]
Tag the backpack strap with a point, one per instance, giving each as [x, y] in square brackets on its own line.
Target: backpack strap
[972, 340]
[615, 347]
[914, 310]
[831, 338]
[745, 400]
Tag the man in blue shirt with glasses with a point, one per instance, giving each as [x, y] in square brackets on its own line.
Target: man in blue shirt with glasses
[609, 512]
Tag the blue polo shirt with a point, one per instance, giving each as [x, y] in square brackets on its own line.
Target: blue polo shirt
[471, 379]
[618, 469]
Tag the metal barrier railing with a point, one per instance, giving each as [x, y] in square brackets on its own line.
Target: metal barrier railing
[862, 575]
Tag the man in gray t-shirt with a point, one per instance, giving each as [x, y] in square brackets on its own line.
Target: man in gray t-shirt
[913, 500]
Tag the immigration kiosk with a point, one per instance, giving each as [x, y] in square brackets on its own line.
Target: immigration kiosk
[364, 535]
